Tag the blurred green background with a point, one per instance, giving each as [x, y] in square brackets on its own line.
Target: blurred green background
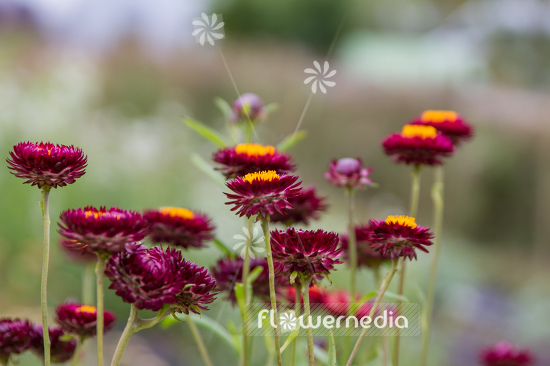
[116, 79]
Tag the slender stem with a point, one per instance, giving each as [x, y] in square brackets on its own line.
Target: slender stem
[297, 306]
[307, 313]
[350, 192]
[88, 285]
[4, 360]
[247, 296]
[131, 328]
[267, 238]
[99, 273]
[438, 203]
[385, 284]
[415, 194]
[78, 350]
[200, 343]
[45, 204]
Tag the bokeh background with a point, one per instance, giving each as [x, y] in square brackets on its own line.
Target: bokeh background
[115, 78]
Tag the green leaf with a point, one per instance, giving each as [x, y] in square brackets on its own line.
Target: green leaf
[270, 108]
[395, 296]
[320, 354]
[331, 350]
[239, 295]
[224, 248]
[253, 276]
[208, 133]
[293, 276]
[223, 106]
[291, 140]
[207, 169]
[292, 336]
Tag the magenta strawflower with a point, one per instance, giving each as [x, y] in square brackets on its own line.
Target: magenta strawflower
[309, 252]
[418, 145]
[348, 172]
[242, 159]
[263, 193]
[179, 227]
[62, 350]
[151, 278]
[102, 231]
[305, 207]
[76, 253]
[15, 337]
[450, 123]
[247, 107]
[399, 236]
[366, 256]
[81, 319]
[505, 354]
[45, 164]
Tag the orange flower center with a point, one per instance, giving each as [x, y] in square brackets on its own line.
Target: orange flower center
[177, 212]
[98, 214]
[401, 220]
[268, 175]
[419, 131]
[254, 149]
[439, 116]
[86, 309]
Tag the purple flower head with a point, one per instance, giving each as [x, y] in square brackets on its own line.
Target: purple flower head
[505, 354]
[61, 350]
[305, 207]
[348, 172]
[247, 107]
[15, 337]
[81, 320]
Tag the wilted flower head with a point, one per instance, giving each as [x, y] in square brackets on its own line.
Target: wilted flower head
[262, 193]
[179, 227]
[348, 172]
[248, 107]
[505, 354]
[309, 252]
[15, 337]
[45, 164]
[229, 271]
[242, 159]
[61, 350]
[450, 123]
[305, 207]
[399, 236]
[82, 319]
[366, 256]
[151, 278]
[102, 231]
[418, 145]
[76, 253]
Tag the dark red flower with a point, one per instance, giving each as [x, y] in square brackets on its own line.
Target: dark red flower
[366, 256]
[242, 159]
[305, 207]
[179, 227]
[305, 251]
[76, 252]
[399, 236]
[45, 164]
[317, 295]
[102, 231]
[82, 319]
[348, 172]
[505, 354]
[450, 123]
[151, 278]
[262, 193]
[15, 337]
[61, 350]
[248, 107]
[418, 145]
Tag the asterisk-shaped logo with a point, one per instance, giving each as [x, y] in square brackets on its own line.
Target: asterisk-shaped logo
[288, 321]
[320, 76]
[256, 242]
[208, 29]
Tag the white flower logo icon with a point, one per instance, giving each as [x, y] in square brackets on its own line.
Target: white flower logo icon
[256, 242]
[208, 28]
[288, 321]
[320, 76]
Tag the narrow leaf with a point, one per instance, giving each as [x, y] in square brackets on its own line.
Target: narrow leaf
[253, 276]
[223, 106]
[239, 295]
[208, 133]
[224, 248]
[292, 336]
[291, 140]
[331, 350]
[207, 168]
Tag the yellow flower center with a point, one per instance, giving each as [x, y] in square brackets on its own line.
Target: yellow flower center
[254, 149]
[177, 212]
[419, 131]
[268, 175]
[86, 309]
[439, 116]
[401, 220]
[97, 214]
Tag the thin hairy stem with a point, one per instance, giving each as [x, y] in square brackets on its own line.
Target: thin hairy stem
[131, 328]
[200, 343]
[245, 359]
[45, 204]
[297, 306]
[99, 273]
[306, 280]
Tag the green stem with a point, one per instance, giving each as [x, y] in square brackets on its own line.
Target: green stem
[415, 194]
[307, 313]
[4, 360]
[297, 306]
[131, 328]
[200, 343]
[352, 245]
[438, 203]
[88, 285]
[99, 273]
[245, 359]
[272, 295]
[78, 350]
[385, 284]
[45, 204]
